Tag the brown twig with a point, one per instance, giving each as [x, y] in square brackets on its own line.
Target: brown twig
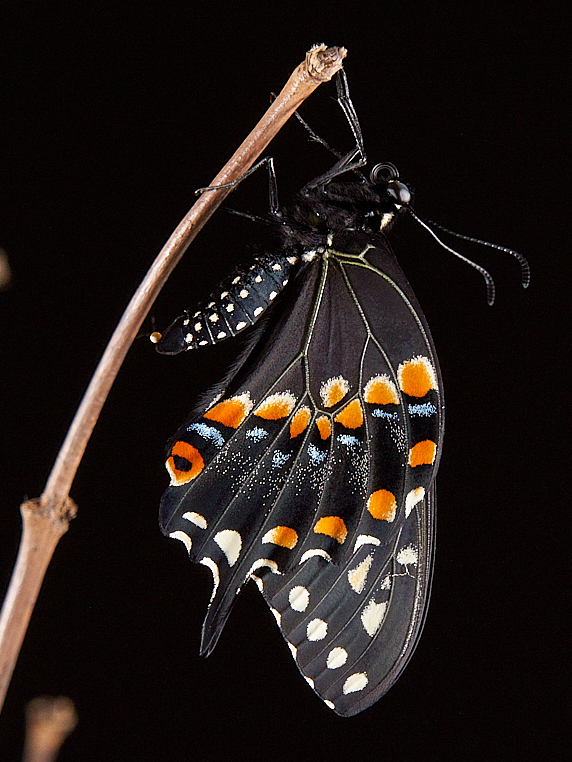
[46, 519]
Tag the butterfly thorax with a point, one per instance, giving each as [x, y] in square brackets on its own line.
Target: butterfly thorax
[317, 213]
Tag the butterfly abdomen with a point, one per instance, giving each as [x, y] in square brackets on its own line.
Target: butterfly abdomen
[239, 302]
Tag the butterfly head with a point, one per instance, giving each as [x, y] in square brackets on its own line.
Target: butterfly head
[370, 205]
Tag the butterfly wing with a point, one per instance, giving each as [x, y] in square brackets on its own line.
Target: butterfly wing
[313, 474]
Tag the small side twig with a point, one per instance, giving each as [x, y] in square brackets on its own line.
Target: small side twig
[46, 519]
[49, 721]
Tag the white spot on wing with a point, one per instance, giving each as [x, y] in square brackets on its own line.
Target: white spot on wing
[196, 518]
[293, 649]
[315, 552]
[184, 538]
[261, 563]
[329, 704]
[357, 577]
[413, 497]
[355, 682]
[372, 616]
[230, 542]
[276, 615]
[407, 556]
[241, 325]
[258, 582]
[210, 564]
[299, 598]
[336, 658]
[317, 629]
[366, 539]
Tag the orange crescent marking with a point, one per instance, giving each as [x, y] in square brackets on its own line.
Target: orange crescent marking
[351, 416]
[423, 453]
[380, 390]
[416, 377]
[332, 526]
[324, 426]
[382, 505]
[300, 422]
[230, 412]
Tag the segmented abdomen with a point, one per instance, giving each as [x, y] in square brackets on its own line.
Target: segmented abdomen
[237, 304]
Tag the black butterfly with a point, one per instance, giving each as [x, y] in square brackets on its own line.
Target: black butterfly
[312, 471]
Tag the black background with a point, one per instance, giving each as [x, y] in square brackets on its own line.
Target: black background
[112, 114]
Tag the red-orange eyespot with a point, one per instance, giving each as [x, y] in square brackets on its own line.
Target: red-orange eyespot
[180, 473]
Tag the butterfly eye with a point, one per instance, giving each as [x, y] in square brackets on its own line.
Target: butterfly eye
[400, 192]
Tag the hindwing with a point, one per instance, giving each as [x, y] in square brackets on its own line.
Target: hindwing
[313, 473]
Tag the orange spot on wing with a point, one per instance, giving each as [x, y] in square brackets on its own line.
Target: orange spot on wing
[382, 505]
[231, 412]
[423, 453]
[324, 426]
[283, 536]
[189, 453]
[416, 377]
[351, 416]
[334, 390]
[332, 526]
[380, 390]
[276, 406]
[300, 422]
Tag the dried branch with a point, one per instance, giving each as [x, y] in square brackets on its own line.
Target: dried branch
[46, 519]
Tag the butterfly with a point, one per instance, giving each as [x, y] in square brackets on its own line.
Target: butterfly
[311, 469]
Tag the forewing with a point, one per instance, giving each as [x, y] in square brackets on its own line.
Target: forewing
[313, 474]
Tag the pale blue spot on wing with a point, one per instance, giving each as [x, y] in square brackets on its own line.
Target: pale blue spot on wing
[256, 434]
[208, 432]
[279, 458]
[377, 413]
[349, 441]
[425, 410]
[316, 456]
